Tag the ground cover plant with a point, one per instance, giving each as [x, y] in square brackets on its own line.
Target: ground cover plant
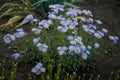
[71, 38]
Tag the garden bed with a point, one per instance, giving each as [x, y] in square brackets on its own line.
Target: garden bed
[108, 12]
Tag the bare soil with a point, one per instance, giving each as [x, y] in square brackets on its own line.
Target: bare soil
[109, 12]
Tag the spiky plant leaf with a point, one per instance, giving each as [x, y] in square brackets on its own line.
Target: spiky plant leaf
[11, 21]
[12, 13]
[73, 1]
[9, 5]
[6, 12]
[70, 5]
[27, 3]
[40, 2]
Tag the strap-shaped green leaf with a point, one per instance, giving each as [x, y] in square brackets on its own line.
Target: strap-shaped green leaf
[9, 4]
[70, 4]
[40, 2]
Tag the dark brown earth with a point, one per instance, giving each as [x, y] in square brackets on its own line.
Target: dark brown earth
[106, 10]
[109, 12]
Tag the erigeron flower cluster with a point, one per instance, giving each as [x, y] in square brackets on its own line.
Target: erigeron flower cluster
[67, 24]
[91, 29]
[44, 24]
[29, 18]
[42, 47]
[114, 39]
[56, 8]
[8, 38]
[38, 69]
[71, 21]
[76, 47]
[16, 55]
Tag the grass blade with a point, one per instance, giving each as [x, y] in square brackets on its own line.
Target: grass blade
[9, 4]
[6, 12]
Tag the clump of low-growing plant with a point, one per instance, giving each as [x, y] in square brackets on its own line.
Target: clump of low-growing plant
[71, 37]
